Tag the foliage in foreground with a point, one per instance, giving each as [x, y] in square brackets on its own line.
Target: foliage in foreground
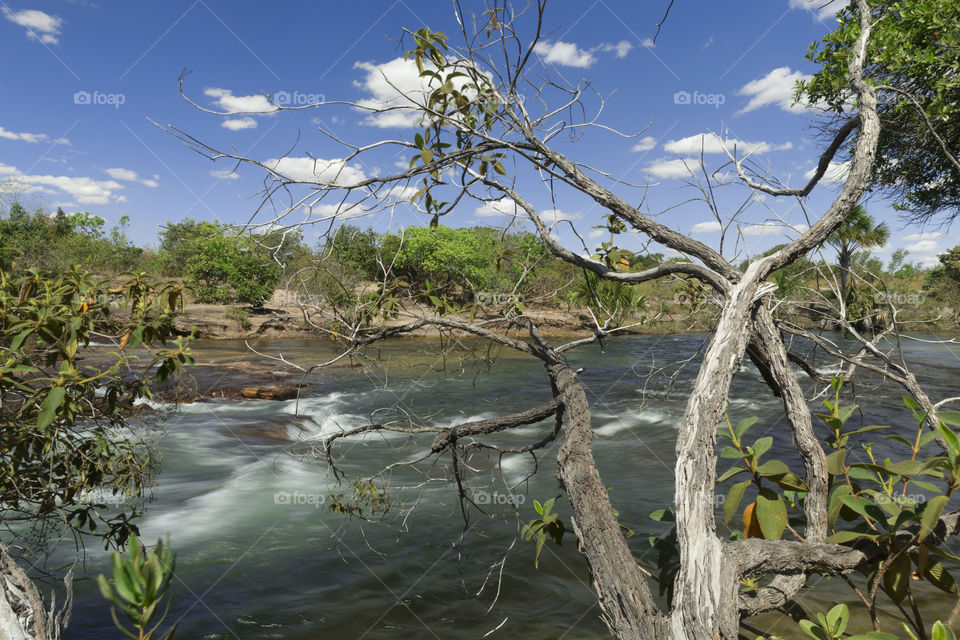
[138, 589]
[67, 449]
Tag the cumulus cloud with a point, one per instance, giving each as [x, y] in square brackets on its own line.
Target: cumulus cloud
[317, 170]
[238, 124]
[224, 174]
[129, 175]
[836, 172]
[644, 144]
[503, 207]
[710, 226]
[709, 143]
[620, 49]
[566, 54]
[39, 25]
[821, 9]
[771, 229]
[395, 84]
[226, 101]
[83, 190]
[925, 236]
[676, 168]
[777, 88]
[30, 137]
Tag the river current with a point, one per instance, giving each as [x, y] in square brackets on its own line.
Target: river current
[244, 500]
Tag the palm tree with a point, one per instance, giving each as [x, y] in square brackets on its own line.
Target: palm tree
[857, 231]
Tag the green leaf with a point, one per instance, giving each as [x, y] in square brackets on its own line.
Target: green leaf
[931, 515]
[743, 425]
[771, 513]
[896, 579]
[937, 575]
[837, 619]
[813, 630]
[733, 499]
[48, 409]
[762, 445]
[949, 436]
[841, 537]
[950, 417]
[731, 472]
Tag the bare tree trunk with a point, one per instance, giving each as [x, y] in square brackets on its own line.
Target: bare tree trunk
[23, 615]
[629, 610]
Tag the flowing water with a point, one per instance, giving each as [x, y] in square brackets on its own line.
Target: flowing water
[259, 555]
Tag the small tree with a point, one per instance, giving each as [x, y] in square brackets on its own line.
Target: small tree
[858, 231]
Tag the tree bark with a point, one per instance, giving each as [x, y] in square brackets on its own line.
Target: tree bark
[23, 615]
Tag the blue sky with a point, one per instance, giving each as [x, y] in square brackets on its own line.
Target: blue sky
[81, 80]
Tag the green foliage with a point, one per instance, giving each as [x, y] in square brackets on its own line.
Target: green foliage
[61, 415]
[240, 315]
[456, 261]
[56, 242]
[222, 266]
[858, 231]
[893, 504]
[140, 583]
[914, 47]
[606, 298]
[548, 524]
[366, 500]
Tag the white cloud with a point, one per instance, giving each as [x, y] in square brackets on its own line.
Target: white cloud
[129, 175]
[712, 144]
[771, 229]
[331, 172]
[925, 252]
[563, 53]
[706, 227]
[596, 234]
[707, 44]
[552, 216]
[82, 189]
[39, 25]
[836, 172]
[30, 137]
[621, 48]
[644, 144]
[393, 84]
[928, 235]
[777, 87]
[503, 207]
[224, 174]
[648, 43]
[237, 124]
[822, 9]
[676, 168]
[226, 101]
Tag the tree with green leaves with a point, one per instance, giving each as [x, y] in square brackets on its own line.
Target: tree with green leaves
[68, 452]
[858, 231]
[912, 61]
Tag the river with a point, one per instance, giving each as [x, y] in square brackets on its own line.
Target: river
[259, 555]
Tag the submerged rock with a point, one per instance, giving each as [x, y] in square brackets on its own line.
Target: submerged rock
[270, 392]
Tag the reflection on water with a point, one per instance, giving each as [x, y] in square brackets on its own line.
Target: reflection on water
[259, 556]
